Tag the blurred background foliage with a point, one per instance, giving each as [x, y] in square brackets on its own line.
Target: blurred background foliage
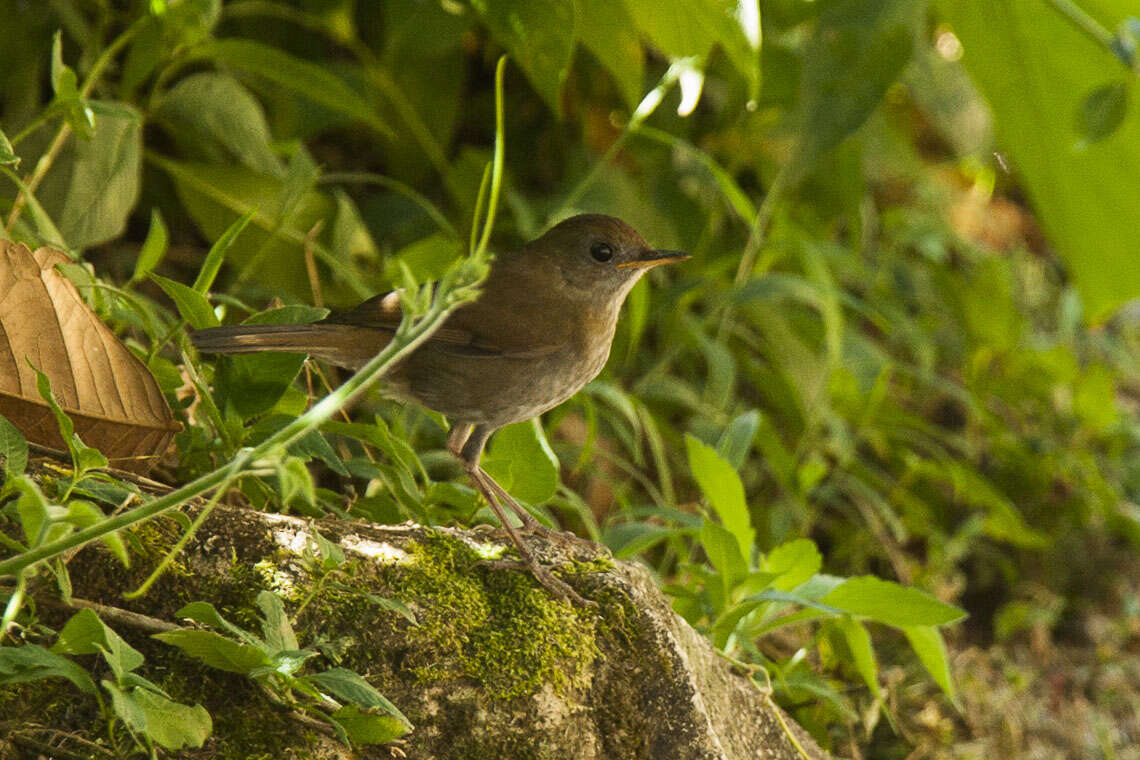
[904, 327]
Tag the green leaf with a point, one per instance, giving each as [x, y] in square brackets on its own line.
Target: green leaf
[192, 306]
[83, 514]
[857, 50]
[1103, 111]
[366, 728]
[170, 724]
[276, 628]
[304, 79]
[862, 653]
[8, 156]
[521, 460]
[85, 633]
[1034, 68]
[887, 602]
[94, 182]
[153, 248]
[209, 271]
[539, 34]
[608, 31]
[428, 258]
[722, 488]
[32, 662]
[32, 508]
[795, 561]
[927, 643]
[13, 449]
[213, 117]
[215, 650]
[736, 441]
[207, 614]
[348, 686]
[724, 554]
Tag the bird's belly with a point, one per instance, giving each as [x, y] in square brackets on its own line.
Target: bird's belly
[495, 390]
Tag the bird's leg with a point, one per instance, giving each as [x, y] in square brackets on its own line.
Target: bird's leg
[458, 442]
[466, 443]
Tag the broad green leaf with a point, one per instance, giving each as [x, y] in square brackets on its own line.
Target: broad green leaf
[428, 258]
[192, 306]
[1102, 111]
[32, 662]
[608, 31]
[126, 707]
[153, 248]
[888, 602]
[306, 80]
[521, 460]
[215, 650]
[927, 643]
[539, 34]
[276, 628]
[1035, 68]
[214, 118]
[858, 48]
[795, 562]
[170, 724]
[94, 182]
[363, 727]
[32, 508]
[863, 654]
[348, 686]
[722, 488]
[13, 449]
[85, 633]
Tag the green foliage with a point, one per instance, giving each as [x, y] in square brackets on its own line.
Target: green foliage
[866, 403]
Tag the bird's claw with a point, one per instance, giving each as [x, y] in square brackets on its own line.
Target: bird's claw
[544, 576]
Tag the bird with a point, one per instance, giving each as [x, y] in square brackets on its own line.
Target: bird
[539, 331]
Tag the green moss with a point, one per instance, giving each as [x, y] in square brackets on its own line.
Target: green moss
[500, 629]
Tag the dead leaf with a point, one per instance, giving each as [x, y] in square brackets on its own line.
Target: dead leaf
[111, 396]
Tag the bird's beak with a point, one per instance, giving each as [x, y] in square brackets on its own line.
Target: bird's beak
[650, 259]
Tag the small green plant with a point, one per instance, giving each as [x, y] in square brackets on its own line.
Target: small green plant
[147, 713]
[274, 660]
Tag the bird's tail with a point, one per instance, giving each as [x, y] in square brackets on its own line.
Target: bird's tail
[344, 345]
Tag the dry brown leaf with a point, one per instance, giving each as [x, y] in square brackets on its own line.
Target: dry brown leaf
[111, 396]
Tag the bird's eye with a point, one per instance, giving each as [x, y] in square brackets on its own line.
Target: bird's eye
[601, 252]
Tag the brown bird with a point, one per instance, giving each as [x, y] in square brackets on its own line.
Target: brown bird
[540, 330]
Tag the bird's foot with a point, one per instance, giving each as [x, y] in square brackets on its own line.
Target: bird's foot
[555, 585]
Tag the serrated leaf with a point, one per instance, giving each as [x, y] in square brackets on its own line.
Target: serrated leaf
[215, 650]
[32, 662]
[171, 724]
[85, 633]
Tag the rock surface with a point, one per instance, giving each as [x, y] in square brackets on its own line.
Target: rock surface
[492, 668]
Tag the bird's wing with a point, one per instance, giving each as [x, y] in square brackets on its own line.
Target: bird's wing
[459, 336]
